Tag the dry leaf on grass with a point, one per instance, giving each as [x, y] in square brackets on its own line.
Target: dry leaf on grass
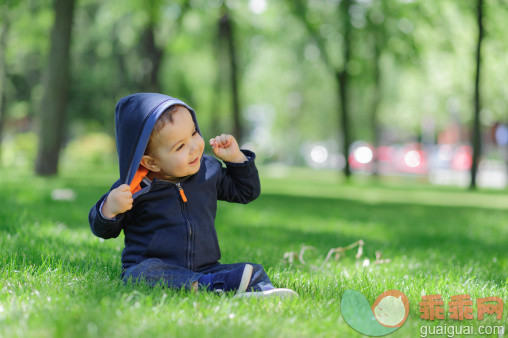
[339, 252]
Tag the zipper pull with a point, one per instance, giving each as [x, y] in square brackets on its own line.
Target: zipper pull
[182, 193]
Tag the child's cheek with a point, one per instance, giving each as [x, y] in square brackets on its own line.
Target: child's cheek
[201, 145]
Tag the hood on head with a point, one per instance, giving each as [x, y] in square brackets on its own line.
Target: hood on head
[135, 117]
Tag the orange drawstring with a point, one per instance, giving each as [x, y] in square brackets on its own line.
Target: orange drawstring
[138, 177]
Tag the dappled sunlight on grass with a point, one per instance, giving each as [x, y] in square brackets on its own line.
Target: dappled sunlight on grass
[56, 278]
[376, 192]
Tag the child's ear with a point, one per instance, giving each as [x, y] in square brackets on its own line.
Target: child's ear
[150, 163]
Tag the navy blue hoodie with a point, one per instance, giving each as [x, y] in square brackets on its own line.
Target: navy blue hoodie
[160, 224]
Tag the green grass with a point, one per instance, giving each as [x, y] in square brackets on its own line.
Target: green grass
[57, 279]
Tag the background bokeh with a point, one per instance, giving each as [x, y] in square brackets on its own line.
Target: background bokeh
[279, 75]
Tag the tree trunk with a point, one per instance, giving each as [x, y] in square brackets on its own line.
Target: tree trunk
[151, 60]
[54, 101]
[343, 82]
[376, 99]
[228, 30]
[3, 79]
[151, 54]
[477, 108]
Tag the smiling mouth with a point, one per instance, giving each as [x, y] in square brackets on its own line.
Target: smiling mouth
[195, 161]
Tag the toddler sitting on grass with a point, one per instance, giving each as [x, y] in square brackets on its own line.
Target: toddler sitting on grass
[166, 199]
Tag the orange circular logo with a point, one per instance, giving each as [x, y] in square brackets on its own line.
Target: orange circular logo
[391, 308]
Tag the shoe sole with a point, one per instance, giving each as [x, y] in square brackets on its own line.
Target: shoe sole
[280, 293]
[246, 276]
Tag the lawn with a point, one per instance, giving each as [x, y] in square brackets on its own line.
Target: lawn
[57, 279]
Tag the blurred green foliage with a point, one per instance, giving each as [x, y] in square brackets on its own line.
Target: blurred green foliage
[426, 64]
[93, 148]
[20, 150]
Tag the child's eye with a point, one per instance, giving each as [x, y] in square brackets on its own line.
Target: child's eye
[195, 132]
[180, 147]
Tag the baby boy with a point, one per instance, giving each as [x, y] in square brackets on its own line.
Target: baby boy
[166, 199]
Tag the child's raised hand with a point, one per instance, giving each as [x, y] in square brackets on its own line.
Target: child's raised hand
[226, 148]
[118, 201]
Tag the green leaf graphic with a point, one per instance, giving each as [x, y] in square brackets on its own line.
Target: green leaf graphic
[358, 314]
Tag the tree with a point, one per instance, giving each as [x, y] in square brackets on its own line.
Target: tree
[4, 31]
[54, 102]
[477, 104]
[152, 54]
[226, 52]
[343, 81]
[340, 73]
[379, 38]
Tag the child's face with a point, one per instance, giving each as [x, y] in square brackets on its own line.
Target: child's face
[177, 149]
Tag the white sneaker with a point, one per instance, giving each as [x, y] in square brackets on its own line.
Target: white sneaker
[280, 293]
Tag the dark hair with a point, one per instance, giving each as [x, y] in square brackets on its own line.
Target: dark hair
[165, 118]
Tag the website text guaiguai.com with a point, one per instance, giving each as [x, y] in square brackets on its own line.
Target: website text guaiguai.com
[452, 330]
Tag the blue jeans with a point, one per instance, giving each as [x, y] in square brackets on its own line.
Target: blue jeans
[154, 271]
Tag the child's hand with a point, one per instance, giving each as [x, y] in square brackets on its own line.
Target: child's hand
[118, 201]
[226, 148]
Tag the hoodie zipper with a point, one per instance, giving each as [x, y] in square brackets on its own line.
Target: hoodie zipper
[182, 193]
[189, 226]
